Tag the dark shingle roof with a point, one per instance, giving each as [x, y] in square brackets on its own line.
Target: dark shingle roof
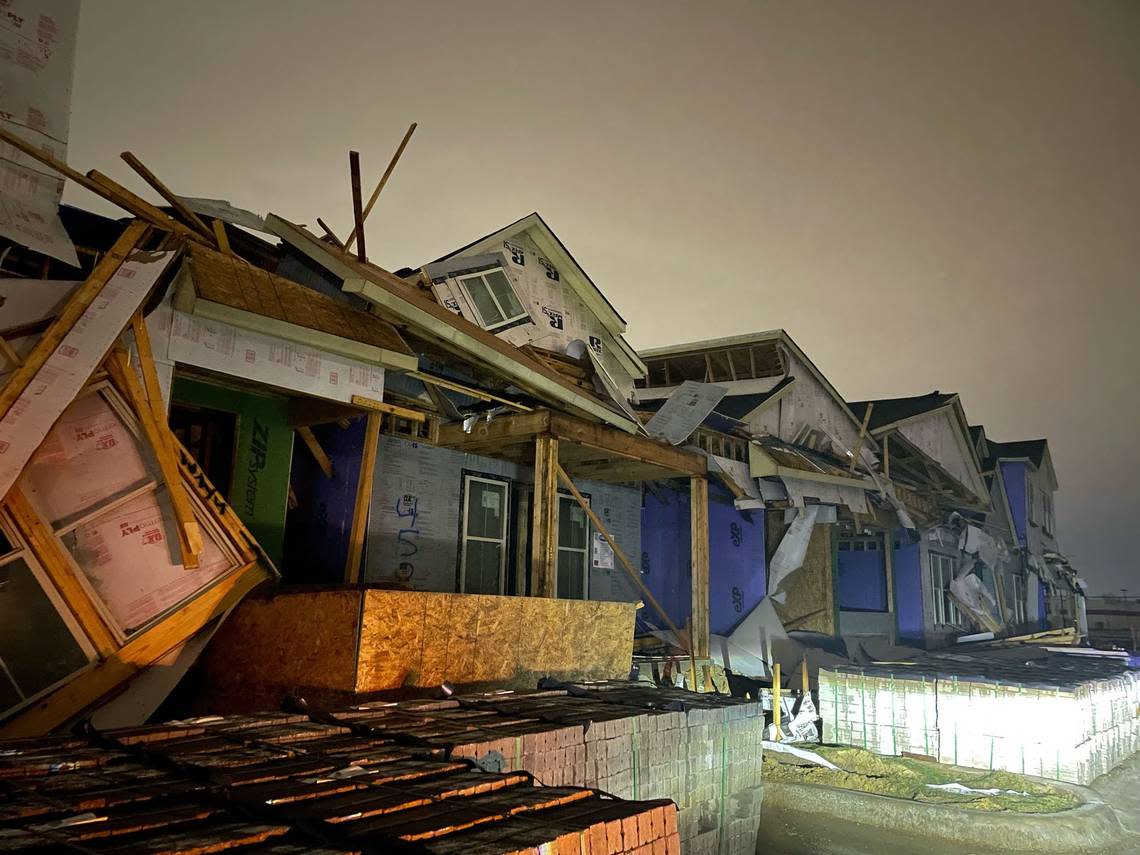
[1034, 449]
[890, 410]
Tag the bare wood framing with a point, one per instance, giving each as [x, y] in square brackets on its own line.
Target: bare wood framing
[79, 302]
[444, 383]
[681, 636]
[141, 208]
[48, 549]
[391, 409]
[544, 525]
[862, 436]
[156, 184]
[380, 186]
[9, 353]
[315, 449]
[352, 568]
[220, 236]
[156, 432]
[699, 532]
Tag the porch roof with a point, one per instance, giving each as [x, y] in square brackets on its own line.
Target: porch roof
[586, 450]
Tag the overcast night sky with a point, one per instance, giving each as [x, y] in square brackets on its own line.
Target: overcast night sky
[925, 195]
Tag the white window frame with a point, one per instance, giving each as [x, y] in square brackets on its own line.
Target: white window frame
[1020, 608]
[585, 552]
[1031, 494]
[21, 552]
[1047, 511]
[941, 573]
[503, 542]
[462, 281]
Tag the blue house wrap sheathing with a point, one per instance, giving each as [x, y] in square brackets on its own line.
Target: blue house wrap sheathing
[862, 580]
[317, 532]
[737, 573]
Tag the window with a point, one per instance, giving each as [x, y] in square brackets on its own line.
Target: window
[1019, 605]
[941, 575]
[573, 550]
[1031, 500]
[483, 560]
[39, 645]
[493, 299]
[1047, 506]
[98, 488]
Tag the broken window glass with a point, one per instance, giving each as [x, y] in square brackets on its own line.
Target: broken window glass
[37, 649]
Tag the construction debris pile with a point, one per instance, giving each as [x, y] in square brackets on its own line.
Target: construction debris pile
[1066, 716]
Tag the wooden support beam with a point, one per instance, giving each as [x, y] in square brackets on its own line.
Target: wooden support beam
[61, 570]
[391, 409]
[357, 211]
[699, 533]
[310, 440]
[599, 526]
[220, 236]
[380, 185]
[544, 518]
[9, 353]
[887, 455]
[76, 305]
[162, 445]
[141, 208]
[480, 394]
[352, 568]
[862, 436]
[189, 217]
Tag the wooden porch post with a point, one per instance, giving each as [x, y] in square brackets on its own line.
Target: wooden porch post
[699, 530]
[352, 574]
[544, 524]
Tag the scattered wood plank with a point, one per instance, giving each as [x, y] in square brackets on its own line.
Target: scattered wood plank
[682, 637]
[188, 529]
[311, 443]
[380, 186]
[189, 217]
[862, 436]
[329, 233]
[357, 211]
[79, 302]
[220, 236]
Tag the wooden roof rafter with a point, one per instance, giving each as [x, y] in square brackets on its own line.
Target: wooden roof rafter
[587, 450]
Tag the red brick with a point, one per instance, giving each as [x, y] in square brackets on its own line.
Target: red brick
[629, 837]
[670, 820]
[673, 844]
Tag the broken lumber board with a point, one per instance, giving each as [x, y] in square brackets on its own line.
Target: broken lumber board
[363, 498]
[379, 187]
[71, 351]
[191, 219]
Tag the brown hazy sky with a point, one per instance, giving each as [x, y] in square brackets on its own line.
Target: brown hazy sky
[925, 195]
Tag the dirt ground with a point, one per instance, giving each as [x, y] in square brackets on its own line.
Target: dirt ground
[1120, 789]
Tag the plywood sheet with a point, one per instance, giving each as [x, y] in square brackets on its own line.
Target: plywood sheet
[810, 603]
[230, 281]
[292, 643]
[423, 639]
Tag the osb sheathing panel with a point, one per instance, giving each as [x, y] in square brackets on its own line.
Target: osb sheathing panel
[415, 638]
[294, 643]
[811, 599]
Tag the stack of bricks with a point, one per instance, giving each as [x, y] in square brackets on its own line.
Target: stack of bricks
[630, 740]
[289, 784]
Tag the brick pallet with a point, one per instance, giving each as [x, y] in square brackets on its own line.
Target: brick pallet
[286, 784]
[1027, 710]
